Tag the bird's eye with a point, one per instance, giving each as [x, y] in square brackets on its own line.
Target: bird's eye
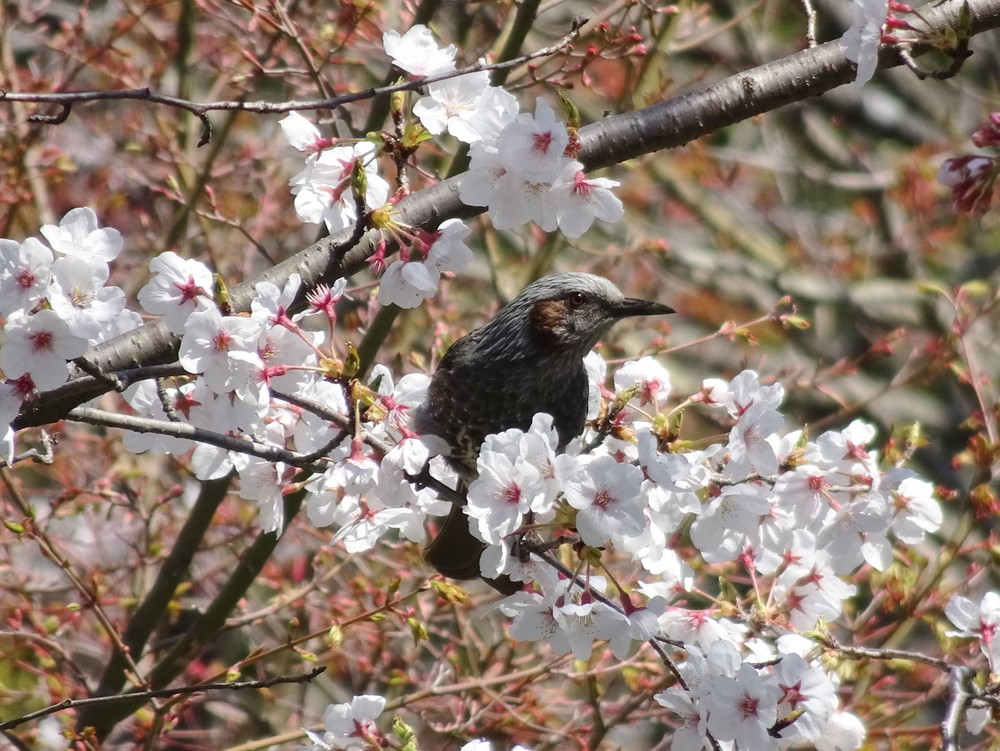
[577, 299]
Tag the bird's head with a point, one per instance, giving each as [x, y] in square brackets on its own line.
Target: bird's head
[568, 313]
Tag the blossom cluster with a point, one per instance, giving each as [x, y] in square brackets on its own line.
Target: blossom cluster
[55, 302]
[350, 726]
[972, 177]
[522, 169]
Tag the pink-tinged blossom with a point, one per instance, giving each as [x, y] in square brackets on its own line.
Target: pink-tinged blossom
[8, 444]
[123, 323]
[607, 496]
[677, 472]
[479, 183]
[843, 732]
[805, 689]
[989, 134]
[210, 462]
[496, 109]
[412, 454]
[980, 621]
[302, 134]
[270, 304]
[861, 41]
[846, 451]
[350, 726]
[856, 534]
[323, 189]
[741, 393]
[597, 371]
[409, 283]
[313, 431]
[533, 146]
[448, 251]
[534, 618]
[651, 378]
[971, 178]
[641, 625]
[77, 293]
[808, 493]
[25, 270]
[13, 393]
[40, 346]
[701, 627]
[261, 481]
[750, 447]
[575, 201]
[587, 621]
[913, 506]
[417, 53]
[79, 235]
[501, 495]
[976, 718]
[730, 522]
[518, 200]
[222, 348]
[323, 299]
[742, 709]
[178, 288]
[690, 733]
[451, 103]
[809, 588]
[653, 549]
[239, 410]
[284, 354]
[406, 284]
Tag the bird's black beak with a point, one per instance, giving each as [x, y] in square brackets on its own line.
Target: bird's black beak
[631, 306]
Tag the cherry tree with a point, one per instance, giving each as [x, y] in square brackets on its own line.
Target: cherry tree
[778, 529]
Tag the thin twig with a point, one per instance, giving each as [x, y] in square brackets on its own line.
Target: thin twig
[66, 100]
[158, 694]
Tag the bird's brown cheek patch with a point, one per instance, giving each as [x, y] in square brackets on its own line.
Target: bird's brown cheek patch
[548, 318]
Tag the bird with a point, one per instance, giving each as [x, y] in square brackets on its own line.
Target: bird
[528, 359]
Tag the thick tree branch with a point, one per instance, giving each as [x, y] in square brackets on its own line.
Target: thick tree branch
[612, 140]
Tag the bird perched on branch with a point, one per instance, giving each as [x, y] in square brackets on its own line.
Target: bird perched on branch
[528, 359]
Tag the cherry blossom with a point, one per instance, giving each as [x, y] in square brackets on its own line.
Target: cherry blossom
[417, 53]
[178, 288]
[843, 732]
[533, 145]
[805, 689]
[607, 497]
[861, 41]
[222, 348]
[980, 621]
[40, 346]
[349, 726]
[501, 495]
[575, 201]
[25, 270]
[323, 189]
[302, 134]
[450, 104]
[77, 293]
[79, 235]
[742, 708]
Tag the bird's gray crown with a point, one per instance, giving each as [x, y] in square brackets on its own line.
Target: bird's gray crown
[558, 286]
